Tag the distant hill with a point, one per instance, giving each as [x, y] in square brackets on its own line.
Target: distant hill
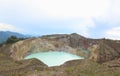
[4, 35]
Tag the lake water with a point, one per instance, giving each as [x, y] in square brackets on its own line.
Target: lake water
[53, 58]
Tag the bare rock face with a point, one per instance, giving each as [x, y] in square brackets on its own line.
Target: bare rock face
[98, 50]
[105, 50]
[25, 47]
[94, 51]
[109, 50]
[22, 48]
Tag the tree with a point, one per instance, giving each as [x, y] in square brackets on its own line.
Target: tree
[12, 39]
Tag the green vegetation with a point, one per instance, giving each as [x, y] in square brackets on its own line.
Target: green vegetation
[13, 39]
[69, 70]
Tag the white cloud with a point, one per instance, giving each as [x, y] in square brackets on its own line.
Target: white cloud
[7, 27]
[113, 33]
[83, 27]
[112, 14]
[66, 8]
[104, 10]
[57, 8]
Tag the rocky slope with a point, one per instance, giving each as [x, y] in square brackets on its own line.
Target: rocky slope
[102, 55]
[98, 50]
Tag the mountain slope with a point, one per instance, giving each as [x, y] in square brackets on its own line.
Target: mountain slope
[4, 35]
[98, 50]
[102, 56]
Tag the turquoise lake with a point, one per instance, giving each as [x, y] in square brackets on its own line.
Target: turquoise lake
[53, 58]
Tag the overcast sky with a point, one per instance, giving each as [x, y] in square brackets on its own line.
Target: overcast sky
[90, 18]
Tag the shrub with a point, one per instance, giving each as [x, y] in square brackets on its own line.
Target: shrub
[13, 39]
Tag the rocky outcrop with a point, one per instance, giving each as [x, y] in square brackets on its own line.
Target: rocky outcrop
[98, 50]
[25, 47]
[105, 50]
[95, 51]
[109, 50]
